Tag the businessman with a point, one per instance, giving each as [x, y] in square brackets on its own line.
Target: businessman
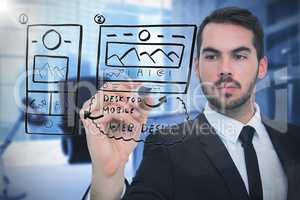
[227, 152]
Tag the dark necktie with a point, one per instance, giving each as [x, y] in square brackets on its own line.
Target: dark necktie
[254, 180]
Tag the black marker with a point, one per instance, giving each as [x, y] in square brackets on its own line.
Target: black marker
[144, 91]
[87, 114]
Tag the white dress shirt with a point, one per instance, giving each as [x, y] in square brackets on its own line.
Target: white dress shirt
[274, 181]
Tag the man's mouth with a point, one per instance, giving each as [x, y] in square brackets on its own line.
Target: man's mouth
[227, 87]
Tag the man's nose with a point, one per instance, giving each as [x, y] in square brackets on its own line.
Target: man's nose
[225, 68]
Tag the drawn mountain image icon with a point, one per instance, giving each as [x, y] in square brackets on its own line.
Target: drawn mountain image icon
[115, 60]
[163, 58]
[130, 57]
[173, 56]
[146, 58]
[145, 55]
[50, 69]
[50, 73]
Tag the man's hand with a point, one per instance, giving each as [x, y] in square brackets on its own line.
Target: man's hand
[123, 117]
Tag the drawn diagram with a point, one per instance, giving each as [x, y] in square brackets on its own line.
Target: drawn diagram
[140, 55]
[152, 128]
[159, 56]
[39, 103]
[47, 69]
[53, 60]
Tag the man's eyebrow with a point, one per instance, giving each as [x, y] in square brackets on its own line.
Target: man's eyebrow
[210, 50]
[241, 49]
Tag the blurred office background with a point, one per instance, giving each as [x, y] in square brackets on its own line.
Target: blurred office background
[57, 167]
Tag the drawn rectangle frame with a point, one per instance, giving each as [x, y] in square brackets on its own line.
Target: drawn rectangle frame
[100, 82]
[51, 101]
[72, 132]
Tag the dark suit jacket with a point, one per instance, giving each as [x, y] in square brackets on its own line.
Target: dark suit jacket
[199, 166]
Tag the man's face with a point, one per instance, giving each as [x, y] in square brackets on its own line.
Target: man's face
[227, 65]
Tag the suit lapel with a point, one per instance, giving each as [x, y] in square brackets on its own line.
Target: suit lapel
[221, 159]
[283, 147]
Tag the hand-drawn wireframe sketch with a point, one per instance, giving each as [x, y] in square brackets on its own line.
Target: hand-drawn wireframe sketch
[52, 58]
[155, 128]
[159, 56]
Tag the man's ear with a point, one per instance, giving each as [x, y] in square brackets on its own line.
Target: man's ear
[262, 67]
[197, 69]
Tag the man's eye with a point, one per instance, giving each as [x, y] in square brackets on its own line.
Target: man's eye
[210, 57]
[240, 57]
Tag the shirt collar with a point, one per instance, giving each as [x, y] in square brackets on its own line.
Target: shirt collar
[229, 128]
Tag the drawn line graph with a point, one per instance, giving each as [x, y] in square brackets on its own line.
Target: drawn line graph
[51, 72]
[50, 69]
[108, 73]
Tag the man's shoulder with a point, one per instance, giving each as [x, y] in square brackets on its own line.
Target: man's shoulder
[284, 128]
[286, 135]
[293, 132]
[294, 129]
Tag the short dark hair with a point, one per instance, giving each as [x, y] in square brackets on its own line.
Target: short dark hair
[236, 16]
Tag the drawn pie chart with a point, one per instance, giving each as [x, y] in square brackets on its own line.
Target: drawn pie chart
[51, 39]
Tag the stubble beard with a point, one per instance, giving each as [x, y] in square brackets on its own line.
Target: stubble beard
[225, 104]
